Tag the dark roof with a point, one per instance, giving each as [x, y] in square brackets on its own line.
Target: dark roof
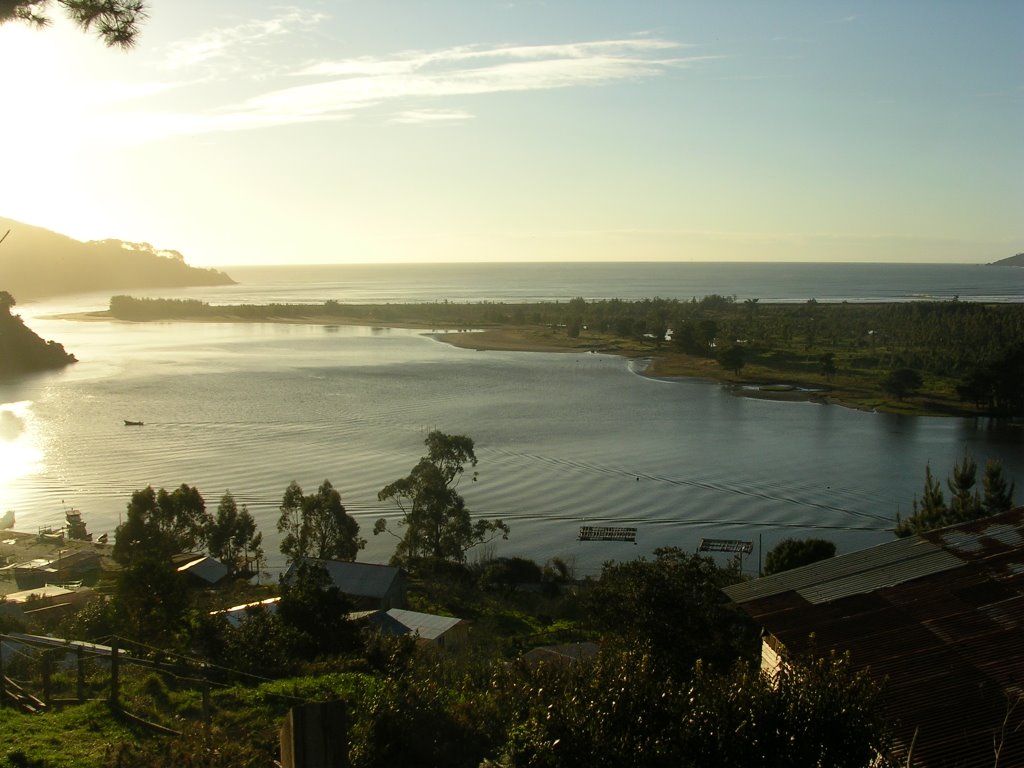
[358, 579]
[939, 616]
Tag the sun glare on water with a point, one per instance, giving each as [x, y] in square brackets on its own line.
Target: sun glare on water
[19, 454]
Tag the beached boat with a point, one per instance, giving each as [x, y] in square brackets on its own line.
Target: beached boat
[132, 423]
[76, 526]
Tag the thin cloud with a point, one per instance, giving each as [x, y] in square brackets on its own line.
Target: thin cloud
[421, 116]
[470, 70]
[402, 82]
[234, 46]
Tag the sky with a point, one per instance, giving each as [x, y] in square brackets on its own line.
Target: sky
[376, 131]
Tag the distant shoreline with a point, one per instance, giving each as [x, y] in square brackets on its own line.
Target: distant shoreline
[665, 364]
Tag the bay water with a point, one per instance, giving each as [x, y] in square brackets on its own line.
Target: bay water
[563, 440]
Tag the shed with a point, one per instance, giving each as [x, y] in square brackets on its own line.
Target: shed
[939, 617]
[206, 570]
[430, 629]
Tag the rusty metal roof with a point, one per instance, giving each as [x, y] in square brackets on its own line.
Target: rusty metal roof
[938, 616]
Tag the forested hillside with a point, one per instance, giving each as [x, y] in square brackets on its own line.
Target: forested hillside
[36, 263]
[1010, 261]
[21, 350]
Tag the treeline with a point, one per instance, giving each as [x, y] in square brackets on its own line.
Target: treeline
[977, 348]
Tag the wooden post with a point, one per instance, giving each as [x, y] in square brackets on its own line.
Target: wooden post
[207, 709]
[80, 683]
[113, 674]
[3, 680]
[47, 664]
[315, 736]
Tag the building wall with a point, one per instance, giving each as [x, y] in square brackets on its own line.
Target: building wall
[770, 659]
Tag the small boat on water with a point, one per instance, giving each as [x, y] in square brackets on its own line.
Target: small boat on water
[133, 423]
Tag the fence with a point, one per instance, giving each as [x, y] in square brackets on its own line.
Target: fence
[38, 672]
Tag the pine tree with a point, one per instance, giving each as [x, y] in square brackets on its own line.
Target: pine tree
[998, 496]
[965, 503]
[930, 512]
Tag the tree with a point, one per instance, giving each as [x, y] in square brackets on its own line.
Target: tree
[313, 606]
[792, 553]
[828, 365]
[930, 513]
[317, 525]
[140, 535]
[150, 602]
[732, 358]
[7, 302]
[621, 709]
[232, 536]
[902, 382]
[998, 496]
[673, 605]
[159, 524]
[116, 22]
[435, 519]
[181, 514]
[966, 503]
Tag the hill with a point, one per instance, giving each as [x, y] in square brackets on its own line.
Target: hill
[36, 263]
[21, 350]
[1010, 261]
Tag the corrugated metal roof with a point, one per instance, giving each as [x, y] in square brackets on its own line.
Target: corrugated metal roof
[923, 563]
[427, 625]
[939, 617]
[46, 591]
[846, 570]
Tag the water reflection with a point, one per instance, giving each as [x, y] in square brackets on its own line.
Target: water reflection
[20, 456]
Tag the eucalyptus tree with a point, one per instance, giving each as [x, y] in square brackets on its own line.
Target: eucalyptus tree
[162, 523]
[435, 521]
[317, 525]
[233, 538]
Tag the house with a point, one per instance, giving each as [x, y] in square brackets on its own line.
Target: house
[937, 617]
[370, 586]
[429, 629]
[68, 566]
[44, 602]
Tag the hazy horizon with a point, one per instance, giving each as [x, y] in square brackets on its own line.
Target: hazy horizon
[495, 132]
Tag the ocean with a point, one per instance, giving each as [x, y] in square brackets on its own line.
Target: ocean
[563, 440]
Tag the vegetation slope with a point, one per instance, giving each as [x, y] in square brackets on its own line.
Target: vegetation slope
[36, 263]
[21, 349]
